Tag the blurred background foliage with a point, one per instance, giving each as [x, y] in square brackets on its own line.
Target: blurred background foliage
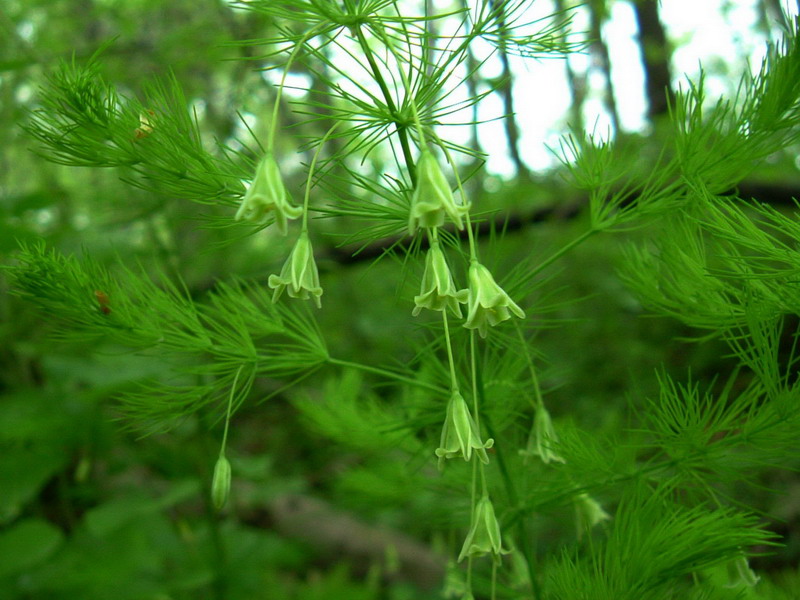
[91, 510]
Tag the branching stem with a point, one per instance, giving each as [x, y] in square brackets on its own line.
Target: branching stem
[388, 374]
[228, 415]
[273, 125]
[311, 174]
[402, 131]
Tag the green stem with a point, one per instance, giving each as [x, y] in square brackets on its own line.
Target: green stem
[453, 380]
[407, 88]
[402, 133]
[563, 250]
[537, 391]
[523, 540]
[494, 580]
[475, 406]
[273, 125]
[510, 489]
[228, 415]
[219, 559]
[473, 498]
[388, 374]
[311, 175]
[473, 363]
[473, 249]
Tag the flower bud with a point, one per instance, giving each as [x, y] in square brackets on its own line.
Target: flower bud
[299, 275]
[460, 433]
[433, 198]
[487, 303]
[221, 483]
[438, 291]
[266, 195]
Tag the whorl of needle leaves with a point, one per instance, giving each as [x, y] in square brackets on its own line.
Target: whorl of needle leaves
[206, 343]
[654, 545]
[83, 121]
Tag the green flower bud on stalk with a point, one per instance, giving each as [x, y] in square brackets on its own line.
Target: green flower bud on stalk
[299, 275]
[460, 435]
[438, 291]
[221, 483]
[266, 195]
[433, 198]
[543, 438]
[484, 533]
[488, 303]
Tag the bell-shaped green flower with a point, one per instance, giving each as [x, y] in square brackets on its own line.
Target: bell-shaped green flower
[266, 195]
[735, 574]
[455, 586]
[460, 435]
[433, 198]
[543, 438]
[588, 513]
[438, 291]
[221, 483]
[740, 574]
[487, 303]
[484, 533]
[299, 275]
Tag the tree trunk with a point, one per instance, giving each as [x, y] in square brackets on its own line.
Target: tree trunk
[577, 87]
[655, 57]
[597, 10]
[506, 91]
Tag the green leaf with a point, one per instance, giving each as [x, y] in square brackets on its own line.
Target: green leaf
[26, 544]
[115, 514]
[23, 473]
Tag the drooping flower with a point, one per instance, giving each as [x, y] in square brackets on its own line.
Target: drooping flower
[455, 586]
[438, 291]
[543, 438]
[460, 435]
[487, 303]
[299, 275]
[588, 513]
[433, 198]
[484, 533]
[266, 195]
[740, 574]
[221, 482]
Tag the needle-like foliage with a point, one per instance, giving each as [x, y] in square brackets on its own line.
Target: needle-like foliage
[653, 497]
